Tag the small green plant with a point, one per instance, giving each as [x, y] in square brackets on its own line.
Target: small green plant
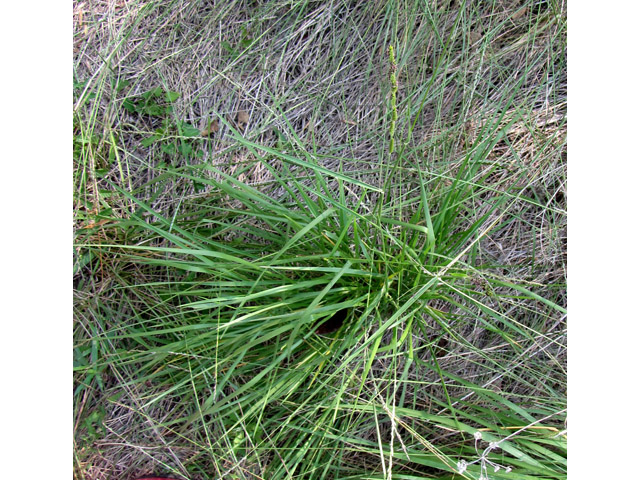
[155, 102]
[175, 137]
[94, 425]
[235, 51]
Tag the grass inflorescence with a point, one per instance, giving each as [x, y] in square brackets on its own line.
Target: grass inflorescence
[394, 91]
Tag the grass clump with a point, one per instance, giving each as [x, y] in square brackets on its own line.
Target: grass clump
[331, 289]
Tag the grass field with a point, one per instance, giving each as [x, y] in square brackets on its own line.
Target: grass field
[320, 239]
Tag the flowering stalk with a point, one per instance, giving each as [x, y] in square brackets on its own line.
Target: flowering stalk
[394, 90]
